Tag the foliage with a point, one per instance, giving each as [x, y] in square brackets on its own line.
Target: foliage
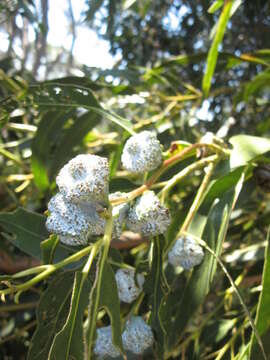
[215, 191]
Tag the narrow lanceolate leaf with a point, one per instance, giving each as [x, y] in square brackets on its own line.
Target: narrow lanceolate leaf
[51, 315]
[108, 300]
[200, 281]
[215, 6]
[262, 321]
[213, 52]
[124, 123]
[155, 286]
[68, 343]
[28, 229]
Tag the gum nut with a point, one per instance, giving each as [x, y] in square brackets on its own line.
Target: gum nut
[142, 152]
[103, 345]
[138, 336]
[74, 223]
[148, 216]
[128, 290]
[186, 252]
[84, 178]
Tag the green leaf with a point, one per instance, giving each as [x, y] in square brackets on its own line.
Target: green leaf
[29, 231]
[213, 52]
[215, 6]
[69, 138]
[219, 187]
[48, 248]
[28, 228]
[154, 285]
[108, 300]
[47, 136]
[51, 315]
[202, 276]
[68, 343]
[262, 321]
[247, 148]
[51, 96]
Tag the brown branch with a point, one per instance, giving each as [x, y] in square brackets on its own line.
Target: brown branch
[9, 265]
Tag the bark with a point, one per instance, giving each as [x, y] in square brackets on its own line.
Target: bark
[41, 37]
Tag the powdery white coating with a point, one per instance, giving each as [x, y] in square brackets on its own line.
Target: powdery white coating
[74, 223]
[148, 216]
[128, 290]
[208, 138]
[137, 336]
[84, 178]
[104, 346]
[119, 213]
[186, 252]
[142, 152]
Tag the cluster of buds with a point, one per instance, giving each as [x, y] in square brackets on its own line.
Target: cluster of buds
[186, 252]
[83, 189]
[75, 213]
[136, 338]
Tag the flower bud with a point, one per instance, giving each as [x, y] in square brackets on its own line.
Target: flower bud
[138, 336]
[128, 290]
[148, 216]
[84, 178]
[74, 223]
[104, 346]
[142, 152]
[119, 213]
[186, 252]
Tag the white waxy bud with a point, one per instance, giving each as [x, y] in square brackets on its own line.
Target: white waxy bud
[74, 223]
[208, 138]
[148, 216]
[137, 336]
[142, 152]
[186, 252]
[103, 345]
[128, 290]
[119, 213]
[84, 178]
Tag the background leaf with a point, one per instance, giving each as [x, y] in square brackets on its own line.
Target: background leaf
[213, 52]
[200, 281]
[68, 342]
[247, 148]
[262, 321]
[28, 228]
[51, 315]
[29, 231]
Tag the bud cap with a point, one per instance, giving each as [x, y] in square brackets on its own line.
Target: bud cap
[104, 346]
[148, 216]
[84, 178]
[128, 290]
[186, 252]
[142, 152]
[74, 223]
[138, 336]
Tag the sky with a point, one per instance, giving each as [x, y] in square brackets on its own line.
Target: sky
[89, 49]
